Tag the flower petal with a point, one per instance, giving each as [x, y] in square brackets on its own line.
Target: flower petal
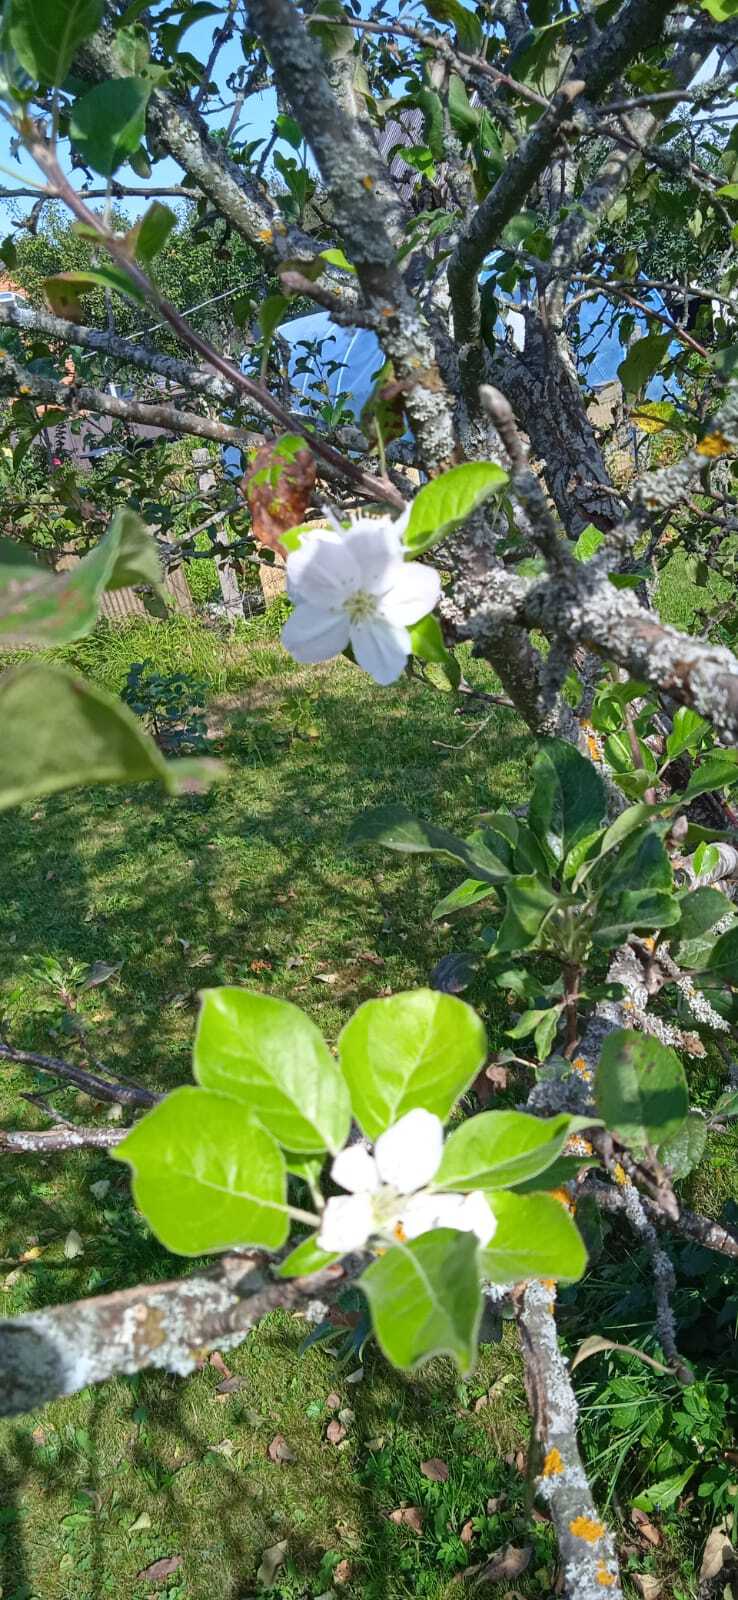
[422, 1212]
[415, 591]
[312, 634]
[380, 649]
[356, 1170]
[323, 570]
[376, 548]
[409, 1154]
[346, 1224]
[477, 1217]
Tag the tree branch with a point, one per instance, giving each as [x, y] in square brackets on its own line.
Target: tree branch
[47, 1354]
[121, 1092]
[39, 1143]
[587, 1549]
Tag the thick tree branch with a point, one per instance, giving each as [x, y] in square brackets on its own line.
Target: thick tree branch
[587, 1548]
[355, 177]
[22, 1142]
[47, 1354]
[637, 26]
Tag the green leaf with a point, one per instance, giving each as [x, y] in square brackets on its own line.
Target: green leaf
[60, 732]
[699, 911]
[39, 607]
[268, 1054]
[152, 232]
[108, 123]
[543, 1026]
[636, 889]
[727, 1106]
[687, 730]
[427, 643]
[464, 118]
[562, 1171]
[305, 1259]
[207, 1175]
[640, 1089]
[416, 1049]
[425, 1299]
[399, 830]
[642, 361]
[569, 799]
[588, 543]
[723, 958]
[336, 258]
[467, 24]
[499, 1149]
[445, 503]
[64, 289]
[717, 773]
[46, 33]
[528, 901]
[535, 1238]
[664, 1494]
[288, 129]
[685, 1149]
[721, 10]
[270, 314]
[468, 893]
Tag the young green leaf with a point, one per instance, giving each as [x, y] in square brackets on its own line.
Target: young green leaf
[535, 1238]
[266, 1053]
[46, 33]
[425, 1299]
[528, 901]
[64, 289]
[108, 123]
[207, 1175]
[723, 958]
[687, 730]
[685, 1149]
[640, 1089]
[398, 829]
[569, 800]
[499, 1149]
[415, 1049]
[716, 773]
[36, 606]
[60, 732]
[643, 359]
[445, 503]
[152, 232]
[305, 1259]
[468, 893]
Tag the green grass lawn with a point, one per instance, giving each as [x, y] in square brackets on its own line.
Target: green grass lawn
[254, 884]
[250, 884]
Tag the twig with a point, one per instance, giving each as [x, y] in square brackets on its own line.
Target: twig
[23, 1142]
[121, 1093]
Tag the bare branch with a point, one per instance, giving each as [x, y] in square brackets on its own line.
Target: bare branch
[46, 1354]
[121, 1092]
[587, 1548]
[38, 1143]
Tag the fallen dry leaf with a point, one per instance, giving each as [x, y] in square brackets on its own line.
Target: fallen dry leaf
[279, 1449]
[39, 1435]
[467, 1533]
[230, 1385]
[326, 977]
[646, 1529]
[332, 1402]
[409, 1516]
[271, 1561]
[494, 1503]
[160, 1569]
[225, 1448]
[718, 1547]
[435, 1469]
[650, 1588]
[509, 1562]
[342, 1573]
[335, 1432]
[141, 1524]
[73, 1245]
[216, 1360]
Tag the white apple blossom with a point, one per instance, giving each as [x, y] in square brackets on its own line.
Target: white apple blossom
[352, 586]
[388, 1194]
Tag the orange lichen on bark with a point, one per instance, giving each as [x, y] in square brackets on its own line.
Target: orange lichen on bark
[553, 1463]
[714, 444]
[586, 1528]
[604, 1577]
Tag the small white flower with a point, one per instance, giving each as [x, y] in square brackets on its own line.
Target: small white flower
[388, 1194]
[353, 587]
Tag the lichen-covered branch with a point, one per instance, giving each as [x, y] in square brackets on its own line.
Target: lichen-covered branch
[58, 1141]
[587, 1549]
[47, 1354]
